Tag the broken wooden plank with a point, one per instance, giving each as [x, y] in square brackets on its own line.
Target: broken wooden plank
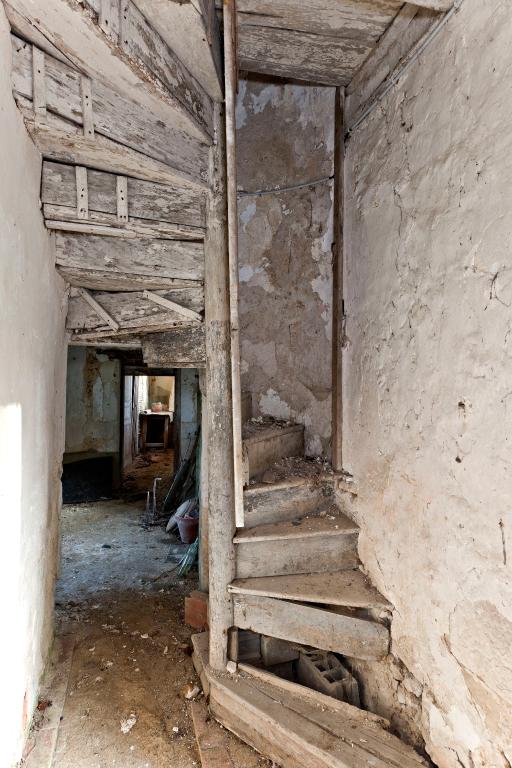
[185, 27]
[311, 626]
[75, 30]
[348, 588]
[131, 258]
[176, 348]
[98, 310]
[178, 309]
[113, 116]
[180, 204]
[129, 310]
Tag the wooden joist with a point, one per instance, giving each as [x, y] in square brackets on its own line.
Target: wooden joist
[99, 313]
[122, 46]
[191, 31]
[321, 41]
[115, 263]
[181, 348]
[394, 49]
[164, 208]
[308, 625]
[92, 125]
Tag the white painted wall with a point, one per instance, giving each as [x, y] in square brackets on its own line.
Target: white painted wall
[428, 381]
[32, 387]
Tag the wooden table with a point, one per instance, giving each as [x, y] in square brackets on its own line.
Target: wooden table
[145, 418]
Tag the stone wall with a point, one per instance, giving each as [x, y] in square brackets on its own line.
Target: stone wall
[32, 390]
[93, 402]
[428, 380]
[285, 137]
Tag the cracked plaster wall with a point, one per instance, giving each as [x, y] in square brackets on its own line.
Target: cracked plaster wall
[428, 382]
[285, 136]
[33, 344]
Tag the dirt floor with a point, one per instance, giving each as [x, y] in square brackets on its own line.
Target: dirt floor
[114, 694]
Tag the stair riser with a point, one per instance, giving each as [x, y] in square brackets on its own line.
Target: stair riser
[315, 627]
[261, 454]
[282, 557]
[279, 505]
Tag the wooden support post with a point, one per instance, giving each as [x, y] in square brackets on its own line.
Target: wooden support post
[203, 487]
[337, 268]
[39, 82]
[82, 192]
[231, 80]
[221, 505]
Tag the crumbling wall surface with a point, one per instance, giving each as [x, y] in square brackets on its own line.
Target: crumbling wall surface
[93, 402]
[285, 136]
[32, 387]
[428, 372]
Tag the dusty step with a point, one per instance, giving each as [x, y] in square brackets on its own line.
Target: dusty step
[285, 500]
[348, 589]
[267, 442]
[298, 727]
[330, 629]
[311, 544]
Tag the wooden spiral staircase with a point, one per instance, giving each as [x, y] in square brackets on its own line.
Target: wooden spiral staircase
[125, 127]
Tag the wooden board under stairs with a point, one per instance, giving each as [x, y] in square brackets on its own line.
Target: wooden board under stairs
[313, 544]
[345, 588]
[334, 630]
[299, 728]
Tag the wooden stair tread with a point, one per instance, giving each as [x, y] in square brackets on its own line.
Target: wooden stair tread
[254, 433]
[343, 588]
[306, 527]
[298, 728]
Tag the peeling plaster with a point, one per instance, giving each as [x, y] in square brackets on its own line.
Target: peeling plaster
[427, 432]
[285, 254]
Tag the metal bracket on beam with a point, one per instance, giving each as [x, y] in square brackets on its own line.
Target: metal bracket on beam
[189, 314]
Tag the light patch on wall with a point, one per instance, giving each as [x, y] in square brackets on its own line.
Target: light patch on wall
[245, 273]
[247, 213]
[322, 286]
[271, 94]
[241, 112]
[314, 446]
[271, 404]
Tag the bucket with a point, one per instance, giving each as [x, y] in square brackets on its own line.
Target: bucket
[188, 527]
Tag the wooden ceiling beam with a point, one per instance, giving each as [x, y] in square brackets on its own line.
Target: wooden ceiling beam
[191, 30]
[102, 125]
[120, 48]
[433, 5]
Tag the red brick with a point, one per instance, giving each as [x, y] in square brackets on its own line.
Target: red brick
[196, 610]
